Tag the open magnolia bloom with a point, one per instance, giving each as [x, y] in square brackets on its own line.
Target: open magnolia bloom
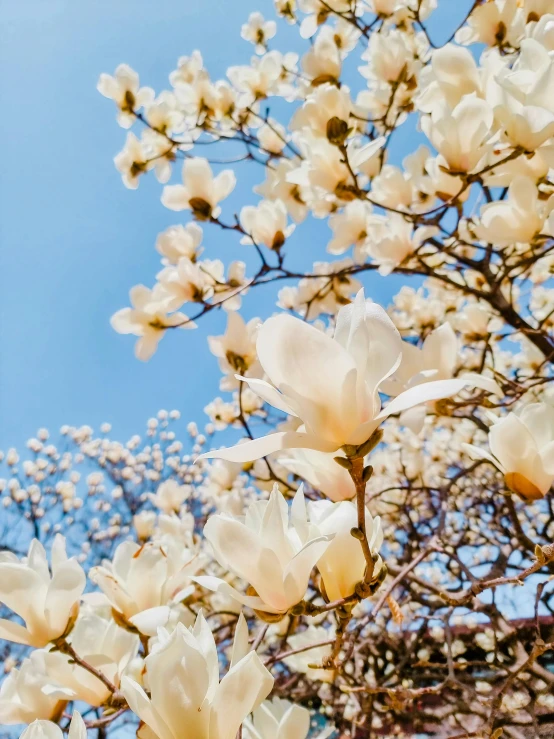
[331, 383]
[186, 695]
[148, 319]
[265, 549]
[41, 729]
[22, 693]
[343, 564]
[142, 583]
[200, 191]
[522, 447]
[102, 644]
[435, 360]
[47, 601]
[280, 719]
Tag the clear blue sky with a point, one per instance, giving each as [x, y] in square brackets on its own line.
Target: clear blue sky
[73, 240]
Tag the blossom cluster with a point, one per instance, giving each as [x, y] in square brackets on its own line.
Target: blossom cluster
[359, 539]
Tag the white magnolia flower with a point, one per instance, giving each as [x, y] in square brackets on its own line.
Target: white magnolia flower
[392, 240]
[264, 548]
[325, 103]
[170, 496]
[390, 57]
[185, 691]
[22, 693]
[180, 241]
[41, 729]
[461, 136]
[144, 523]
[278, 719]
[188, 282]
[142, 583]
[475, 321]
[435, 360]
[526, 110]
[452, 74]
[258, 31]
[148, 319]
[518, 218]
[200, 191]
[522, 447]
[331, 384]
[493, 23]
[266, 223]
[343, 564]
[133, 161]
[351, 227]
[101, 643]
[236, 349]
[272, 136]
[47, 599]
[124, 89]
[322, 63]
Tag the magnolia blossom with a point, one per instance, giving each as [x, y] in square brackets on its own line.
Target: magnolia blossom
[435, 360]
[143, 583]
[491, 24]
[331, 383]
[527, 99]
[266, 224]
[258, 31]
[322, 63]
[170, 496]
[518, 218]
[351, 226]
[325, 103]
[452, 74]
[264, 548]
[133, 161]
[236, 349]
[461, 135]
[180, 241]
[23, 697]
[148, 319]
[522, 447]
[186, 694]
[278, 719]
[41, 729]
[200, 191]
[475, 321]
[343, 564]
[123, 88]
[46, 599]
[102, 644]
[392, 240]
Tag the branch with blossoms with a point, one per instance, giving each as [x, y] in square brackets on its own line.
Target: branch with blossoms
[373, 556]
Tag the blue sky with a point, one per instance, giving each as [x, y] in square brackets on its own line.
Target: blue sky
[74, 240]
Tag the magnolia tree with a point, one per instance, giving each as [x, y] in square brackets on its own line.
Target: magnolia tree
[373, 557]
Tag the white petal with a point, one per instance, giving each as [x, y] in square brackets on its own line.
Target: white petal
[422, 394]
[242, 689]
[265, 445]
[148, 622]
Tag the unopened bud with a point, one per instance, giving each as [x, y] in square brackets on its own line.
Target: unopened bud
[344, 462]
[337, 131]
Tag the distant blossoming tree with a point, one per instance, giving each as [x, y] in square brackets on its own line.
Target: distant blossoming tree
[373, 555]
